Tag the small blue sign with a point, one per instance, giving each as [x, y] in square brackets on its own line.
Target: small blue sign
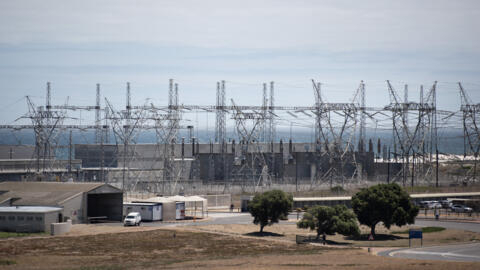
[415, 234]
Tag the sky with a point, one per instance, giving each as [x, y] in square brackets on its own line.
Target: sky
[77, 44]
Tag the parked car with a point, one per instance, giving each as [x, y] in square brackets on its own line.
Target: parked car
[423, 204]
[133, 219]
[446, 204]
[461, 208]
[434, 205]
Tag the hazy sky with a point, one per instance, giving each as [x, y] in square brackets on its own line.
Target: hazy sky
[76, 44]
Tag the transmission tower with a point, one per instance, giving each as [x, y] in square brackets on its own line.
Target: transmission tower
[220, 124]
[471, 131]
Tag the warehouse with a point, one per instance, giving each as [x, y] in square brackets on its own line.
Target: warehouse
[80, 202]
[28, 218]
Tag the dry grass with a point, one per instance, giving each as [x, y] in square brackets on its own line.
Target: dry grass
[143, 249]
[182, 249]
[385, 237]
[333, 259]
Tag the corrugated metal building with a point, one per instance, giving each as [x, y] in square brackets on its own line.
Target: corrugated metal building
[80, 202]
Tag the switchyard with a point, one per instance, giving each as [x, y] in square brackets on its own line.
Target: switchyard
[251, 157]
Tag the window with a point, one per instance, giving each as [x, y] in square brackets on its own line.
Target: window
[20, 218]
[11, 218]
[38, 218]
[29, 218]
[2, 218]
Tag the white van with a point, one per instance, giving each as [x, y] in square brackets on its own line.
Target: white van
[133, 219]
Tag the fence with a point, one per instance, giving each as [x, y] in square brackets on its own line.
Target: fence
[447, 214]
[302, 239]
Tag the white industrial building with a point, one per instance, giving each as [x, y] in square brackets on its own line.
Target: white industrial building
[28, 218]
[80, 202]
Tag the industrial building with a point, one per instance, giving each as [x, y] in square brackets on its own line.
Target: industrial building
[80, 202]
[29, 218]
[197, 168]
[144, 167]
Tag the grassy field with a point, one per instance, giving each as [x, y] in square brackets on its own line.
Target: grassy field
[15, 234]
[183, 249]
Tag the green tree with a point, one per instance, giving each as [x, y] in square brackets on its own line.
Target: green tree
[330, 220]
[387, 203]
[267, 208]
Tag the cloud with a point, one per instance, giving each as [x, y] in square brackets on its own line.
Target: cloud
[76, 44]
[330, 25]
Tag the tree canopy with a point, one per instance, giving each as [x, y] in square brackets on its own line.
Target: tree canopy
[330, 220]
[267, 208]
[387, 203]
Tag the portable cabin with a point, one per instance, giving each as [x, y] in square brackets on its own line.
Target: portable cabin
[148, 211]
[167, 206]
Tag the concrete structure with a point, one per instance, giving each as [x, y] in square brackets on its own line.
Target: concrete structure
[214, 163]
[80, 202]
[29, 218]
[17, 151]
[34, 169]
[60, 227]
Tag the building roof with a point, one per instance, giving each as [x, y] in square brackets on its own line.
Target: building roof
[154, 200]
[44, 193]
[28, 209]
[140, 203]
[179, 198]
[435, 195]
[176, 198]
[308, 199]
[414, 196]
